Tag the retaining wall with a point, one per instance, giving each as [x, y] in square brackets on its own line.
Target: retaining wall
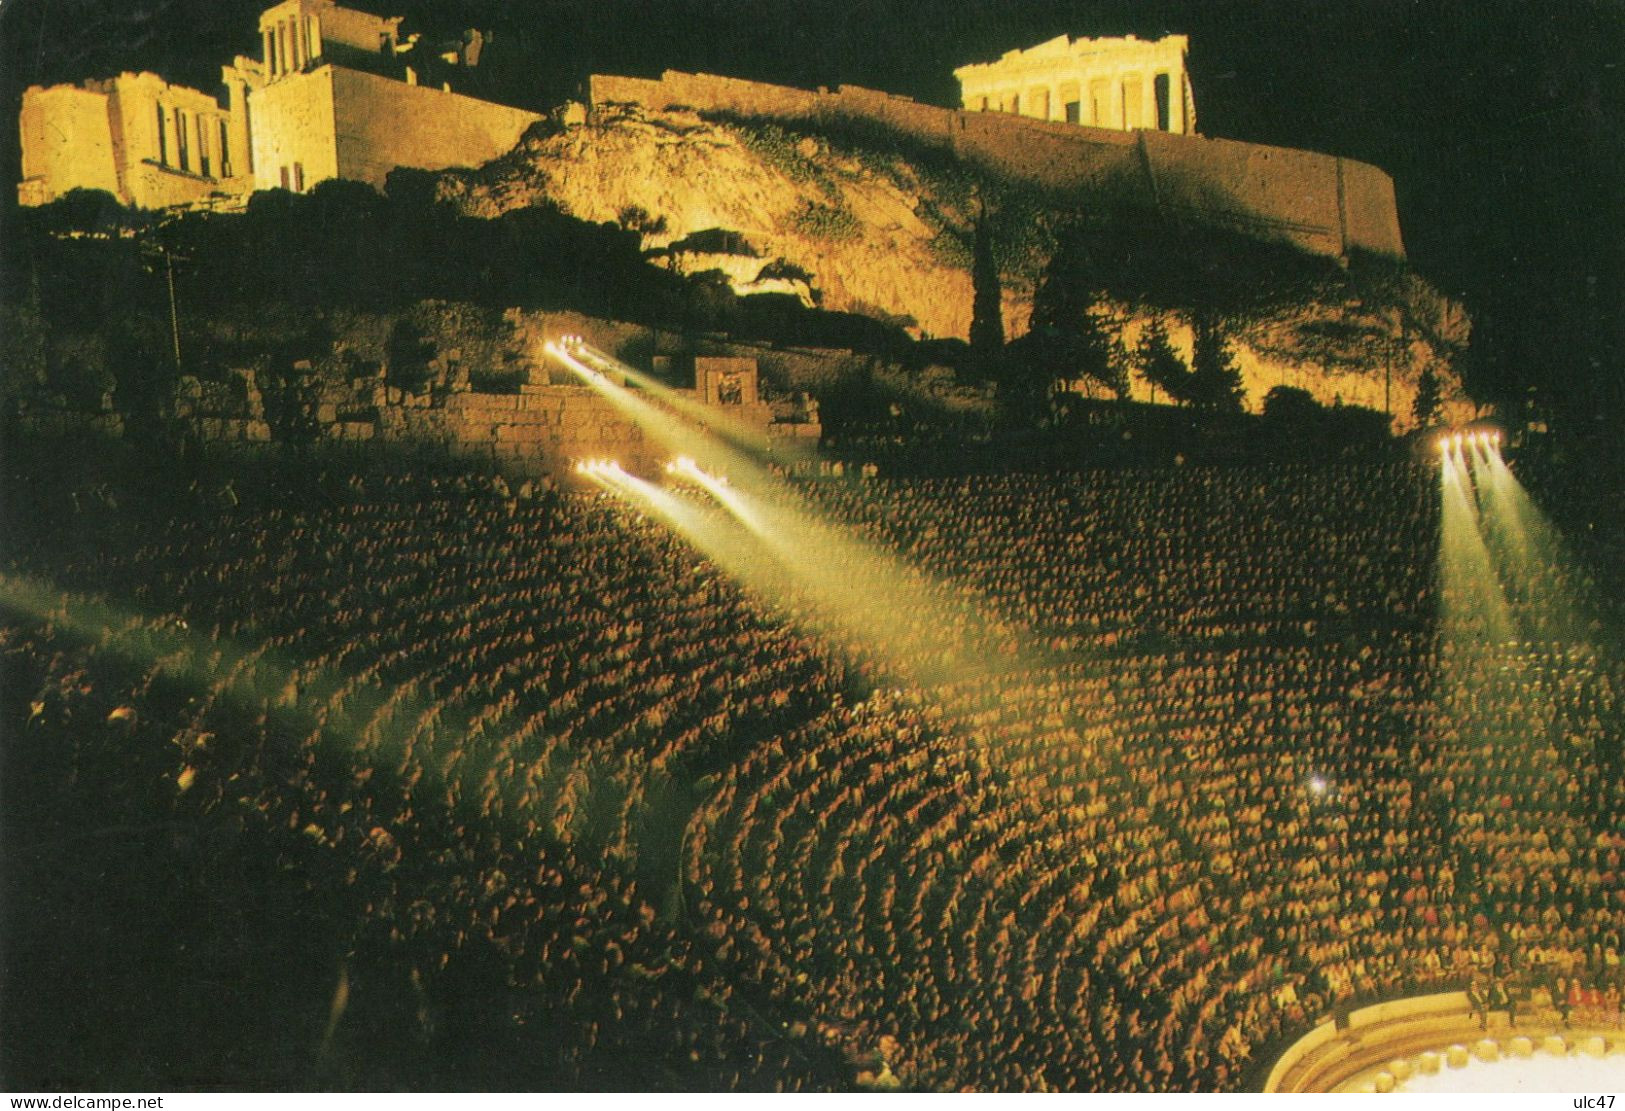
[1318, 202]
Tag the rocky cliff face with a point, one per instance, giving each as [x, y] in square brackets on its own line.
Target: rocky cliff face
[866, 234]
[859, 228]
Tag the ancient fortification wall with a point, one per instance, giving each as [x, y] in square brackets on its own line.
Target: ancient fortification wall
[66, 143]
[336, 122]
[293, 131]
[1318, 202]
[543, 429]
[382, 124]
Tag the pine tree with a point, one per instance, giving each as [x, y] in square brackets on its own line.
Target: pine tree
[1068, 338]
[1160, 363]
[1215, 381]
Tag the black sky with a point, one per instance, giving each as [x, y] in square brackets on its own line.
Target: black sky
[1500, 120]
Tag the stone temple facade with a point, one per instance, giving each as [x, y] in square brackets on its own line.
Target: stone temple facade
[149, 143]
[329, 97]
[1124, 84]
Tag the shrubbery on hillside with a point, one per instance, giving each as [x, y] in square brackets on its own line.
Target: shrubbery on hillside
[85, 266]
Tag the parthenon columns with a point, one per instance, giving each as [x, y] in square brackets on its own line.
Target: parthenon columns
[1123, 84]
[1133, 100]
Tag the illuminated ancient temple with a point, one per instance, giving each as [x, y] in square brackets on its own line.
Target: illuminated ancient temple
[1124, 84]
[332, 95]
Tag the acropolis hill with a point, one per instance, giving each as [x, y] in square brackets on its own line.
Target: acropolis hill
[1316, 202]
[865, 203]
[847, 200]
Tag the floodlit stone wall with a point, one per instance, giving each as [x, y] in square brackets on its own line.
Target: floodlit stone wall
[336, 122]
[1264, 191]
[543, 428]
[1370, 212]
[1317, 202]
[381, 124]
[294, 130]
[1124, 84]
[67, 143]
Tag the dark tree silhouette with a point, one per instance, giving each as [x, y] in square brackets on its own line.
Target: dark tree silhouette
[987, 311]
[1215, 381]
[1426, 405]
[1160, 363]
[1067, 339]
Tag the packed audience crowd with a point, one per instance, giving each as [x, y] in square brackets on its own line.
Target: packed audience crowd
[544, 773]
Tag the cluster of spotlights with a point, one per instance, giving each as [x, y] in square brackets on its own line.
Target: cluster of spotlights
[1455, 440]
[591, 467]
[571, 343]
[685, 467]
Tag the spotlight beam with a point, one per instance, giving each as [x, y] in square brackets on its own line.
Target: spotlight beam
[730, 430]
[668, 430]
[922, 629]
[1554, 592]
[1475, 603]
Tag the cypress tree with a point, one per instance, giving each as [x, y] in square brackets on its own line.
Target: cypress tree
[987, 311]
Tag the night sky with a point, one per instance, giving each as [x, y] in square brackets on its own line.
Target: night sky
[1500, 120]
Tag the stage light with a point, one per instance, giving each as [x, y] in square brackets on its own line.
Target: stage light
[1317, 785]
[597, 468]
[687, 468]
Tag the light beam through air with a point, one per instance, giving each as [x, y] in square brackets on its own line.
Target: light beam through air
[1474, 608]
[827, 578]
[1550, 588]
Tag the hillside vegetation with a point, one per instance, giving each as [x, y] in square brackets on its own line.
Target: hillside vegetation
[855, 219]
[706, 230]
